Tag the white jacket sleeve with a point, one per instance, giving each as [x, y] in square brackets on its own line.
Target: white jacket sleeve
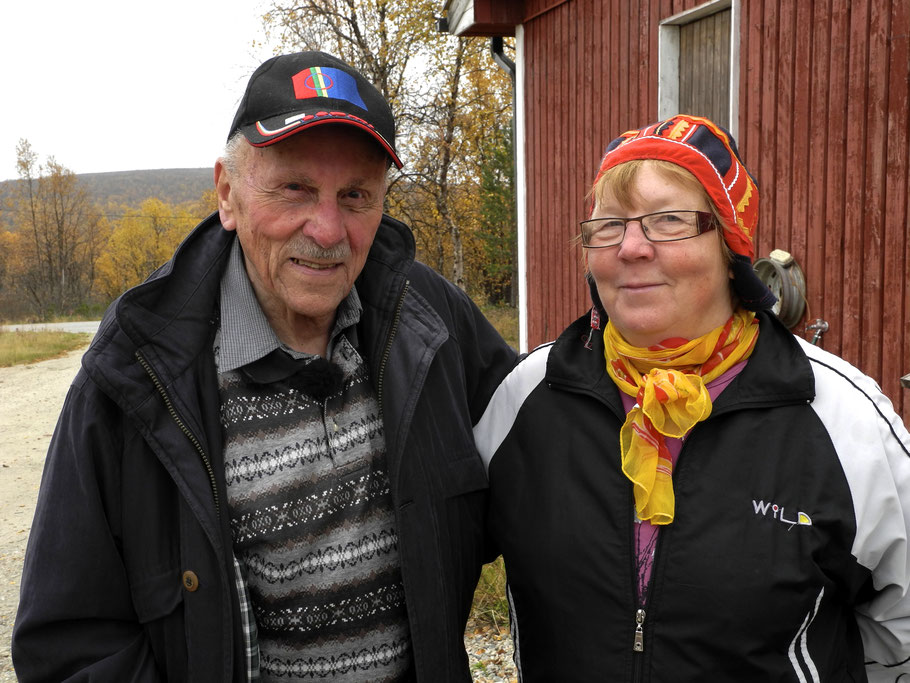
[502, 410]
[874, 450]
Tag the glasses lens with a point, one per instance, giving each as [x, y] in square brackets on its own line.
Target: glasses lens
[671, 225]
[602, 232]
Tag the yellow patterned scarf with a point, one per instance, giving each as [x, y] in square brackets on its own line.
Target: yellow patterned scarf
[668, 383]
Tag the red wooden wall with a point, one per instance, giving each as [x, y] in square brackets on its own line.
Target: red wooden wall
[825, 120]
[824, 126]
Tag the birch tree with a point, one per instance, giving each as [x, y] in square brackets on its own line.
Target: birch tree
[60, 234]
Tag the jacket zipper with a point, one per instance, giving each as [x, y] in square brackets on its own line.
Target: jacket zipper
[393, 331]
[638, 633]
[639, 642]
[181, 425]
[638, 646]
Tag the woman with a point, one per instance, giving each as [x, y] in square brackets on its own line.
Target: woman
[683, 490]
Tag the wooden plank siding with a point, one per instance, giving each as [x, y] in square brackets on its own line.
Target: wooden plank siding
[824, 125]
[832, 149]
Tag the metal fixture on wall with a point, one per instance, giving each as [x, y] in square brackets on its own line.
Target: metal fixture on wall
[818, 328]
[785, 279]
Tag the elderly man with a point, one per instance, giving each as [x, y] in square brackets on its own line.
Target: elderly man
[265, 468]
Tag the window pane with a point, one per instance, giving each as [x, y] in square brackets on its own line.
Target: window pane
[704, 67]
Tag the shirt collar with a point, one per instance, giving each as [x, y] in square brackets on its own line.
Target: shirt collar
[246, 335]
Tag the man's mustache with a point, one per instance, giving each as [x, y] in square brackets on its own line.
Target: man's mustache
[310, 251]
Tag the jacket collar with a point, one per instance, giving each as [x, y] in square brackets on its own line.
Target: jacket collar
[382, 282]
[777, 372]
[167, 319]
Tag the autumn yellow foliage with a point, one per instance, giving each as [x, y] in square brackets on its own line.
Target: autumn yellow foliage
[142, 240]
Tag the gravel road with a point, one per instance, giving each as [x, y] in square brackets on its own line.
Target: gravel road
[30, 399]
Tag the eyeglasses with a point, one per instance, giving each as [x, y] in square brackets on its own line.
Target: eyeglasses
[662, 226]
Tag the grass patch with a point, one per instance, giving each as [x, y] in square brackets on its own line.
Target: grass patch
[490, 605]
[505, 320]
[31, 346]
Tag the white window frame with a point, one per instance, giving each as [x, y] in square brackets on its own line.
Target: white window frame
[668, 58]
[521, 188]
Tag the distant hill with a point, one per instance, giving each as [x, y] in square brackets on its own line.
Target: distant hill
[131, 188]
[170, 185]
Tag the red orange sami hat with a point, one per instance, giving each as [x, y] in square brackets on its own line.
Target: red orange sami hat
[708, 152]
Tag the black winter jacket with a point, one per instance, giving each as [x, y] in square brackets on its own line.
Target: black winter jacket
[128, 574]
[788, 559]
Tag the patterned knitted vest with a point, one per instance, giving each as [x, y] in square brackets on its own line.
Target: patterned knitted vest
[313, 525]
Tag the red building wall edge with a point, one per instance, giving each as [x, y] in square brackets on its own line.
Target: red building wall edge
[824, 125]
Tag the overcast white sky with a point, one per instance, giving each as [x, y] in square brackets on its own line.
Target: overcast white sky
[114, 85]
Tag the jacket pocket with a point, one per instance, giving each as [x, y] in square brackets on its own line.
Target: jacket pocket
[156, 595]
[158, 601]
[465, 474]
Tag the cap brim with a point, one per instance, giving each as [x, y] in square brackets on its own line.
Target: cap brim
[272, 130]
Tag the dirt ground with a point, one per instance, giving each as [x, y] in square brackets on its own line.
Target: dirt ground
[30, 399]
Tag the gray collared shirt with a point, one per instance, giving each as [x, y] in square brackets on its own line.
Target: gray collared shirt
[245, 334]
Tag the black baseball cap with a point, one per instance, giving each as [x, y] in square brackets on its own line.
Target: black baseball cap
[290, 93]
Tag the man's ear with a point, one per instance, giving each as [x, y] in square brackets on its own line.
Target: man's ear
[223, 192]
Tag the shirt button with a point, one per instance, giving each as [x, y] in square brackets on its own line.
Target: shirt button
[190, 581]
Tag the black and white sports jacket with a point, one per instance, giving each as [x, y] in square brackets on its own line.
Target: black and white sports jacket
[788, 559]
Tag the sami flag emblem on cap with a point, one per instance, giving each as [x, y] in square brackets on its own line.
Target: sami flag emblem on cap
[291, 93]
[321, 81]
